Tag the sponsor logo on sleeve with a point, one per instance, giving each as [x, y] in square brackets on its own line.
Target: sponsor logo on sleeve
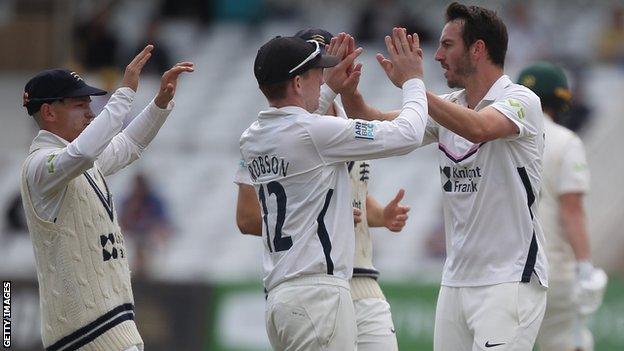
[364, 130]
[50, 163]
[517, 106]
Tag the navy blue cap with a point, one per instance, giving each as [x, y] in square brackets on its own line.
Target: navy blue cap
[55, 84]
[282, 58]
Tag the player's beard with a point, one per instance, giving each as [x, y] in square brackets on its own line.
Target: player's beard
[463, 70]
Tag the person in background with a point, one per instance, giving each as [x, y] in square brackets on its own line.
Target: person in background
[145, 221]
[576, 286]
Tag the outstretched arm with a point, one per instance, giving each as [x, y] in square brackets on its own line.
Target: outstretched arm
[355, 105]
[345, 140]
[485, 125]
[51, 171]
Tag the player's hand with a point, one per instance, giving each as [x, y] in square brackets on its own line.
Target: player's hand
[357, 215]
[405, 60]
[134, 68]
[169, 81]
[395, 214]
[590, 288]
[338, 46]
[345, 76]
[354, 72]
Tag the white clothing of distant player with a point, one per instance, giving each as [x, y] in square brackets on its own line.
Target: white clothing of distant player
[565, 171]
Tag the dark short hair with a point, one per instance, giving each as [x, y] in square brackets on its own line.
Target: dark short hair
[481, 23]
[275, 91]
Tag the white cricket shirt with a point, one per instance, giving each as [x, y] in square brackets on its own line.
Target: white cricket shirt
[359, 173]
[491, 193]
[565, 171]
[297, 164]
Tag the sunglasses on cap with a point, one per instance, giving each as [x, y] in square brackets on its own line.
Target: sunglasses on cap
[311, 57]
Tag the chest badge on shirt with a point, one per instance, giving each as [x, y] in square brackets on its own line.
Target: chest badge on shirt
[460, 179]
[112, 246]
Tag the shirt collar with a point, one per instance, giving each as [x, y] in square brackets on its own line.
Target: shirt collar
[496, 90]
[47, 139]
[282, 111]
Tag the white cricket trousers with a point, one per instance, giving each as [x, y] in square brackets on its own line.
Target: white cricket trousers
[374, 325]
[501, 317]
[311, 313]
[562, 328]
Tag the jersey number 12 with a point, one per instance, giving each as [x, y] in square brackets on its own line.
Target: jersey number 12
[279, 243]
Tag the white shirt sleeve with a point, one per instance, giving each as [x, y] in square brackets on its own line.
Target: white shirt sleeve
[242, 174]
[521, 106]
[339, 140]
[51, 169]
[127, 146]
[574, 172]
[325, 100]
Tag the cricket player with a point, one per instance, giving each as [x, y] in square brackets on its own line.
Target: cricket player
[576, 287]
[297, 164]
[490, 142]
[373, 318]
[82, 265]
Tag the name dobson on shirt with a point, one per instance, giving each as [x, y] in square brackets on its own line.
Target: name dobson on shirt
[460, 179]
[267, 164]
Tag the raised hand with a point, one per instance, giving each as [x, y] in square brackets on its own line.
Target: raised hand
[340, 46]
[345, 76]
[169, 81]
[133, 70]
[405, 60]
[395, 214]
